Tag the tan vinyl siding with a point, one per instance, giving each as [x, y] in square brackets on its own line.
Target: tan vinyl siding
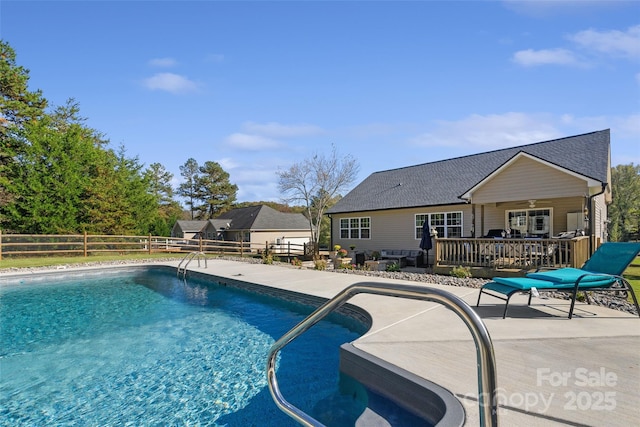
[395, 229]
[600, 215]
[528, 179]
[493, 218]
[260, 237]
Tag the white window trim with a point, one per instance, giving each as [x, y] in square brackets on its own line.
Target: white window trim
[527, 210]
[446, 227]
[348, 219]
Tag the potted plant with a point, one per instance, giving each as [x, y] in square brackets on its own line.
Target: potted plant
[334, 253]
[341, 258]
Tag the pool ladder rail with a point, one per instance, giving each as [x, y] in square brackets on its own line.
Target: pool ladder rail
[188, 258]
[486, 362]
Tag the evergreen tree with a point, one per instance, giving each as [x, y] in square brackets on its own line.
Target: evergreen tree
[50, 173]
[169, 210]
[188, 189]
[18, 106]
[140, 203]
[214, 190]
[104, 209]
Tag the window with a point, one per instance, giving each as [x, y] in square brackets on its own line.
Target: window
[355, 228]
[448, 224]
[530, 222]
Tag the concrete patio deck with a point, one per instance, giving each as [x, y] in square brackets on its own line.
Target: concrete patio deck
[551, 370]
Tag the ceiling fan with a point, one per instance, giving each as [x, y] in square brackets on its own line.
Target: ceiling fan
[533, 202]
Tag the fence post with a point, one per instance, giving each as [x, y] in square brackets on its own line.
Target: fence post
[149, 243]
[200, 243]
[85, 244]
[241, 247]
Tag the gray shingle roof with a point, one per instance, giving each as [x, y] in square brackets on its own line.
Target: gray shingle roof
[191, 226]
[263, 217]
[443, 182]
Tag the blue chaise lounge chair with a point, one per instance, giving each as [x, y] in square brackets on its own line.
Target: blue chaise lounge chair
[601, 273]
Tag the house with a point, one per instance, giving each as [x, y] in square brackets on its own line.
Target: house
[534, 190]
[258, 225]
[187, 229]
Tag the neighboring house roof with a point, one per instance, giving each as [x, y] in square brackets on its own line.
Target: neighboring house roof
[191, 226]
[220, 224]
[445, 182]
[262, 217]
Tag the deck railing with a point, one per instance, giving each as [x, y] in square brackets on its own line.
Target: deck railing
[508, 253]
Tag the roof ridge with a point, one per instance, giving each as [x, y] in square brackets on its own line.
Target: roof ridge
[492, 151]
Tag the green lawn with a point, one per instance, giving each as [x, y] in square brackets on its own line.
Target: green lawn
[632, 274]
[53, 261]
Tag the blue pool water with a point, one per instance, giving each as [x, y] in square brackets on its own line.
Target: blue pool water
[150, 350]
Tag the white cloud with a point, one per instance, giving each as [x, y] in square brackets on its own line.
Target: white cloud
[480, 133]
[256, 179]
[228, 163]
[244, 141]
[532, 58]
[373, 130]
[613, 42]
[490, 132]
[170, 82]
[277, 130]
[163, 62]
[622, 127]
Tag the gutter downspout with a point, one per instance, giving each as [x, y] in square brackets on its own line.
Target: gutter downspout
[330, 232]
[590, 204]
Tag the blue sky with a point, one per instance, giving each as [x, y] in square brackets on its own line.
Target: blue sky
[259, 86]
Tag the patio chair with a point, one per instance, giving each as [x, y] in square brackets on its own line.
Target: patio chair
[601, 273]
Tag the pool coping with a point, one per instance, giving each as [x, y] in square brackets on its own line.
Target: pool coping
[420, 396]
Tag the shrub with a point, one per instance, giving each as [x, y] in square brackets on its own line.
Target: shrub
[347, 267]
[342, 253]
[296, 262]
[267, 258]
[336, 247]
[320, 264]
[461, 272]
[394, 266]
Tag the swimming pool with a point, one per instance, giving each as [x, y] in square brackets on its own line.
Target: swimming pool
[146, 348]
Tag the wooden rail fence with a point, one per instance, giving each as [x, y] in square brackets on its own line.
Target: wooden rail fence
[23, 245]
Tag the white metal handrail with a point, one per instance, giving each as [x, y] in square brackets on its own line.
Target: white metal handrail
[188, 258]
[486, 363]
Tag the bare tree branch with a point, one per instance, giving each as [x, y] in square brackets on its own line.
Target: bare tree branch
[315, 182]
